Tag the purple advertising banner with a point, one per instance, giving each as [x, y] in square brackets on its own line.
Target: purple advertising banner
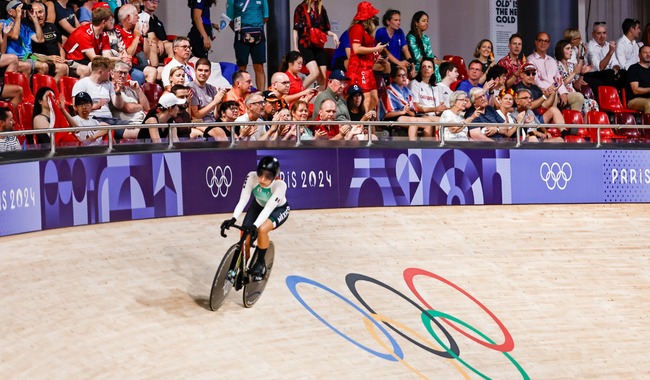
[403, 177]
[212, 180]
[625, 175]
[90, 190]
[556, 176]
[20, 198]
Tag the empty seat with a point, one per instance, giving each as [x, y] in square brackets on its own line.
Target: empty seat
[20, 79]
[66, 84]
[41, 80]
[152, 91]
[609, 101]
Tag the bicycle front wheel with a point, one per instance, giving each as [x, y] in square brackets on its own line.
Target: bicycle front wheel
[253, 290]
[224, 278]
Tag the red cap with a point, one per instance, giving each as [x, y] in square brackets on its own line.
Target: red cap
[365, 11]
[101, 4]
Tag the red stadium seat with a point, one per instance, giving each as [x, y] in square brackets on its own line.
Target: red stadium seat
[152, 91]
[606, 134]
[627, 119]
[575, 117]
[66, 83]
[21, 80]
[42, 80]
[574, 139]
[609, 101]
[587, 92]
[460, 65]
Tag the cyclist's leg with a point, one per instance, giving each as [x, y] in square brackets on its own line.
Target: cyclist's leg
[275, 220]
[251, 215]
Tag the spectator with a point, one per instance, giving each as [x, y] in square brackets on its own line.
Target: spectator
[486, 114]
[248, 20]
[572, 73]
[8, 62]
[639, 77]
[342, 53]
[474, 75]
[101, 90]
[627, 50]
[135, 103]
[276, 131]
[601, 55]
[280, 84]
[205, 97]
[85, 11]
[525, 115]
[423, 90]
[241, 87]
[82, 105]
[271, 107]
[176, 76]
[183, 116]
[419, 43]
[299, 112]
[50, 50]
[19, 37]
[200, 35]
[182, 49]
[82, 46]
[511, 62]
[136, 42]
[43, 114]
[355, 105]
[335, 86]
[254, 109]
[578, 48]
[327, 112]
[7, 125]
[484, 54]
[291, 65]
[506, 101]
[540, 98]
[398, 105]
[312, 14]
[396, 45]
[66, 20]
[548, 75]
[228, 113]
[497, 74]
[164, 112]
[449, 73]
[459, 103]
[157, 33]
[362, 55]
[645, 36]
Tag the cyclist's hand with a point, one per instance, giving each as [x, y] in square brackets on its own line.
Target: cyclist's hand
[227, 224]
[251, 231]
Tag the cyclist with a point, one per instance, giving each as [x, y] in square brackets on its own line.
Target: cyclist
[267, 212]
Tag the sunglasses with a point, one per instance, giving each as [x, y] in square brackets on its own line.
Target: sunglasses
[530, 73]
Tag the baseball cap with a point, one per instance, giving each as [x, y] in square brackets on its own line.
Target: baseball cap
[529, 67]
[101, 4]
[169, 100]
[269, 96]
[82, 98]
[339, 75]
[354, 89]
[13, 4]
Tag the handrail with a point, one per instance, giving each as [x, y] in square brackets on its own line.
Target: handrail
[371, 129]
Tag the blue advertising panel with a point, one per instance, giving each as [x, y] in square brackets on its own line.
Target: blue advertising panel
[556, 176]
[626, 175]
[402, 177]
[20, 198]
[212, 180]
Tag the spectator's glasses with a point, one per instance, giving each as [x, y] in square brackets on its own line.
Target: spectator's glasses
[120, 72]
[530, 73]
[543, 41]
[184, 47]
[153, 1]
[527, 97]
[260, 103]
[233, 108]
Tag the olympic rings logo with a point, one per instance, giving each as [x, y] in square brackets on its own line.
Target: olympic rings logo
[374, 322]
[555, 175]
[218, 180]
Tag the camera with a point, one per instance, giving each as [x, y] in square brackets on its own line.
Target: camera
[27, 7]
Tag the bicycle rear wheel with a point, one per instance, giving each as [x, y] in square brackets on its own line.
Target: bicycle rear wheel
[253, 290]
[224, 278]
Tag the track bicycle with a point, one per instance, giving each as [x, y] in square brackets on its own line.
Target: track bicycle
[233, 272]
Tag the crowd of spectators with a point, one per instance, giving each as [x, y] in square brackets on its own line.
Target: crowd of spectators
[129, 73]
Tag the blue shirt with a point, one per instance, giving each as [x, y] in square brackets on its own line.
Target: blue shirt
[344, 42]
[256, 12]
[16, 46]
[205, 12]
[395, 43]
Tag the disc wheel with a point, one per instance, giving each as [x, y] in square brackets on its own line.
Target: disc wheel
[253, 290]
[223, 282]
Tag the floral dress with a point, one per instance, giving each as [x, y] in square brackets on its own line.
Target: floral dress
[589, 104]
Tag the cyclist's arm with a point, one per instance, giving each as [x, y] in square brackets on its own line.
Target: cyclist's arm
[279, 190]
[246, 191]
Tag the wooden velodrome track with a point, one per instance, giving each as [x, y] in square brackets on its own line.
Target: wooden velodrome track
[569, 283]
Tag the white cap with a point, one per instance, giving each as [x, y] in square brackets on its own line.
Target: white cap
[168, 100]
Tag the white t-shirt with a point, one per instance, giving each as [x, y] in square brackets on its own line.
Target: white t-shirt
[442, 93]
[261, 129]
[130, 96]
[86, 135]
[448, 116]
[97, 92]
[423, 94]
[173, 63]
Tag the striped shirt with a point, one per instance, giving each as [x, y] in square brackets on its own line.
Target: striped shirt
[9, 143]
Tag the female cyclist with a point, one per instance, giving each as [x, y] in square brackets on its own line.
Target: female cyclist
[267, 212]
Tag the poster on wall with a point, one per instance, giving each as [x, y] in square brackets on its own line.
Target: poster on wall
[503, 23]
